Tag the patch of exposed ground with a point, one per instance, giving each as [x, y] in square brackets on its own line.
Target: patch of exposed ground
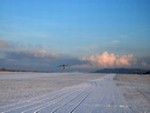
[136, 90]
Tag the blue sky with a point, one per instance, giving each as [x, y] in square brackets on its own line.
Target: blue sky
[77, 28]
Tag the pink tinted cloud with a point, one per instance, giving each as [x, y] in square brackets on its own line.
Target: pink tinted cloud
[107, 59]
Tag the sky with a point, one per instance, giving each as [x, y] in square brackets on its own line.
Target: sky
[84, 34]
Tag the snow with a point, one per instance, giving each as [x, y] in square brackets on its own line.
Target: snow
[91, 93]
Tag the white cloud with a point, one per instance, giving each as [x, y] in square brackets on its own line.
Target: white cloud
[115, 42]
[107, 59]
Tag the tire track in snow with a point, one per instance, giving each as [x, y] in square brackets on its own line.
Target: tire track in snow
[29, 105]
[58, 106]
[53, 102]
[97, 96]
[80, 102]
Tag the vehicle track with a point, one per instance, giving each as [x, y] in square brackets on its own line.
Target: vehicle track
[96, 96]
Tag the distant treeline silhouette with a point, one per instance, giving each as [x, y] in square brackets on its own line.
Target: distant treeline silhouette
[123, 71]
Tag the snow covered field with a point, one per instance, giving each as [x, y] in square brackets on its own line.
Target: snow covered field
[73, 92]
[16, 87]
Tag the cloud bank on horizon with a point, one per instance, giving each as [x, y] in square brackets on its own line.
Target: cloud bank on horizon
[110, 60]
[40, 59]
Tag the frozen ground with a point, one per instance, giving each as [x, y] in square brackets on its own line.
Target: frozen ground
[73, 93]
[136, 90]
[16, 87]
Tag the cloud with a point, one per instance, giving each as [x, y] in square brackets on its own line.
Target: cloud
[34, 58]
[30, 54]
[15, 56]
[4, 43]
[115, 42]
[107, 60]
[143, 62]
[86, 67]
[11, 49]
[39, 53]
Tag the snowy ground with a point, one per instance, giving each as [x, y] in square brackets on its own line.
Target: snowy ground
[73, 93]
[15, 87]
[136, 90]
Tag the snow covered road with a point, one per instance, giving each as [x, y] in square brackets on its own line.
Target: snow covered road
[95, 96]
